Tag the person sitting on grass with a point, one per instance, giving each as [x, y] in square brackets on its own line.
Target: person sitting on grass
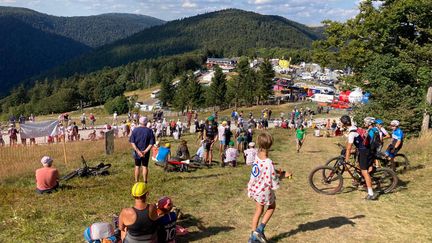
[138, 224]
[101, 232]
[231, 155]
[250, 153]
[182, 152]
[163, 155]
[263, 181]
[167, 221]
[155, 150]
[47, 177]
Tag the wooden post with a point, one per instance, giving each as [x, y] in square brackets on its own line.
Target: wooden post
[426, 116]
[64, 150]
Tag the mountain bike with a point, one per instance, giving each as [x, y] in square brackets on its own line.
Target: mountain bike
[100, 169]
[329, 179]
[400, 160]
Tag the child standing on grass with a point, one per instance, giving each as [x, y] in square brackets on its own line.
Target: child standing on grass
[263, 181]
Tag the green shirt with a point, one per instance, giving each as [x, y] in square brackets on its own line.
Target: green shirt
[300, 134]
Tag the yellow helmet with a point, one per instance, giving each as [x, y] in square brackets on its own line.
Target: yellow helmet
[139, 189]
[167, 145]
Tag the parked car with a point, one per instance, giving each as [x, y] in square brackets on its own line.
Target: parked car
[337, 104]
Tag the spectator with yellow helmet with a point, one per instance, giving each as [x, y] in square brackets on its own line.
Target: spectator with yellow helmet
[138, 223]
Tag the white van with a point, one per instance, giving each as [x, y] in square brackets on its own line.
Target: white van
[325, 98]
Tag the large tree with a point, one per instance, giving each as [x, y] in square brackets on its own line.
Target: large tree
[389, 47]
[166, 94]
[265, 77]
[216, 94]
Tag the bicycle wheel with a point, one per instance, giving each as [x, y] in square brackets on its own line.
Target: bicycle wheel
[70, 175]
[102, 169]
[195, 165]
[334, 163]
[384, 180]
[326, 180]
[401, 162]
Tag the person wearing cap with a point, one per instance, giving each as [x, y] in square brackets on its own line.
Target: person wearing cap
[47, 177]
[142, 140]
[354, 138]
[231, 155]
[138, 223]
[383, 132]
[396, 143]
[210, 137]
[167, 222]
[163, 155]
[250, 153]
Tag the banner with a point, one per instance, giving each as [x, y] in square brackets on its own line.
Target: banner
[38, 129]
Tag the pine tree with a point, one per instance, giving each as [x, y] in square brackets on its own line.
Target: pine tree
[196, 95]
[167, 91]
[265, 77]
[182, 94]
[217, 93]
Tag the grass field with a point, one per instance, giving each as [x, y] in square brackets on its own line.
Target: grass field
[214, 200]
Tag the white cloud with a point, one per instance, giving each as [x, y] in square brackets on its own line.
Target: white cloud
[260, 1]
[7, 1]
[189, 4]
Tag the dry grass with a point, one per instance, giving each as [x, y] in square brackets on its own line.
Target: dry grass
[16, 161]
[216, 202]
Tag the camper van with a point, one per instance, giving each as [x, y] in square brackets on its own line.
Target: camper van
[324, 98]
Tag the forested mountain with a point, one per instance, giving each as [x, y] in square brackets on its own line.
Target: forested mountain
[229, 32]
[93, 31]
[32, 42]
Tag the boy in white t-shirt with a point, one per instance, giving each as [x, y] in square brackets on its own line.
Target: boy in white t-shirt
[231, 155]
[250, 153]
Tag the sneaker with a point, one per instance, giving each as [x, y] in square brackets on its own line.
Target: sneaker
[372, 198]
[259, 236]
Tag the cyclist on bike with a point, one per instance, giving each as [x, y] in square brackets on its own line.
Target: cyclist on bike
[383, 132]
[363, 153]
[397, 142]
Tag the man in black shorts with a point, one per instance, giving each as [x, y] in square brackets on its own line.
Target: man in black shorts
[364, 156]
[142, 140]
[210, 137]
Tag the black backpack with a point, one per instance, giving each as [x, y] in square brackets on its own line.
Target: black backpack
[374, 142]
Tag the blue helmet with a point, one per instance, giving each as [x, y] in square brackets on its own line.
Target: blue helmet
[379, 122]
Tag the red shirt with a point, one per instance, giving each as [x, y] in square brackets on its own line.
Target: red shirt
[46, 178]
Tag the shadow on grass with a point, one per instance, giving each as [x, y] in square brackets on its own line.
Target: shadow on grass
[332, 223]
[313, 151]
[188, 220]
[414, 168]
[194, 177]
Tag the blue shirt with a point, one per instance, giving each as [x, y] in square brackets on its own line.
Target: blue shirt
[142, 137]
[397, 135]
[162, 154]
[167, 228]
[372, 131]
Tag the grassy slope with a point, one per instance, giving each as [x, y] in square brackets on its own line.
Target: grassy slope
[216, 201]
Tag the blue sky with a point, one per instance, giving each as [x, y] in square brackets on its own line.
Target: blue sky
[310, 12]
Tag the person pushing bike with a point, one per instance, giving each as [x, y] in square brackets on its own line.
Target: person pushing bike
[364, 155]
[396, 144]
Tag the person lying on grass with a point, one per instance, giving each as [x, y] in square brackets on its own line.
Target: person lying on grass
[263, 181]
[47, 177]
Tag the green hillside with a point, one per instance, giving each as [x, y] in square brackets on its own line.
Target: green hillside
[93, 31]
[229, 32]
[33, 42]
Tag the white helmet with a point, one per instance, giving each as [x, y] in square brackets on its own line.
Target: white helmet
[394, 123]
[369, 121]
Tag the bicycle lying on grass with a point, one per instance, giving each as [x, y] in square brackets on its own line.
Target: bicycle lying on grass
[401, 161]
[100, 169]
[329, 179]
